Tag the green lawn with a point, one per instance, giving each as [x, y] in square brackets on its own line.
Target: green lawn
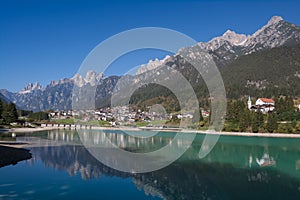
[62, 121]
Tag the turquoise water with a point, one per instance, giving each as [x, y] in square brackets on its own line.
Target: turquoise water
[237, 168]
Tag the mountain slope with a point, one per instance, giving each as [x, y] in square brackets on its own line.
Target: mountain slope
[3, 98]
[230, 45]
[58, 94]
[249, 64]
[270, 72]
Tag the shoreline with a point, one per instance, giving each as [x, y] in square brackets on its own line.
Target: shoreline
[26, 130]
[13, 144]
[242, 134]
[249, 134]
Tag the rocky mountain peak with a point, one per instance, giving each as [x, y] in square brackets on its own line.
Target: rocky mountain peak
[274, 20]
[270, 27]
[234, 38]
[275, 33]
[31, 87]
[78, 80]
[152, 64]
[224, 49]
[230, 45]
[91, 77]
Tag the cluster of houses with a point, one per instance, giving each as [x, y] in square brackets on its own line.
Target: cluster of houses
[121, 114]
[61, 114]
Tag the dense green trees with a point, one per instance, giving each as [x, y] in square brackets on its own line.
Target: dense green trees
[271, 123]
[284, 104]
[234, 108]
[285, 109]
[284, 120]
[244, 120]
[38, 116]
[9, 113]
[257, 121]
[269, 73]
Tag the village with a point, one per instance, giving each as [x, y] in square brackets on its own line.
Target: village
[122, 115]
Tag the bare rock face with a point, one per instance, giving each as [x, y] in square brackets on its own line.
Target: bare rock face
[231, 45]
[224, 49]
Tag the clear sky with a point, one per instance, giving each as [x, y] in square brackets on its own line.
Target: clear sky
[45, 40]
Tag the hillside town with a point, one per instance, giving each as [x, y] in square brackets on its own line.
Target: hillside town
[122, 115]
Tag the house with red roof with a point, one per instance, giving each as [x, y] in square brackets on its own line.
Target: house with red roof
[265, 105]
[265, 101]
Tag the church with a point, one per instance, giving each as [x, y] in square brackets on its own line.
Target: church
[265, 105]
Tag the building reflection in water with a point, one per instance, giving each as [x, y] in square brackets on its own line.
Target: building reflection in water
[230, 171]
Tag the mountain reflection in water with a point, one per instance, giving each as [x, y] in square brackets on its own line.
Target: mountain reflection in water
[232, 170]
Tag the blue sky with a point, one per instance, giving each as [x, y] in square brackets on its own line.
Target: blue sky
[45, 40]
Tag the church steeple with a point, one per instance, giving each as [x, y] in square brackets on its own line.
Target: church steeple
[249, 103]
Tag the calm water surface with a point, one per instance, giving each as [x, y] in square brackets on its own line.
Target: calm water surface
[237, 168]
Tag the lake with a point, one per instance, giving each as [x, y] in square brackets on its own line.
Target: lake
[61, 167]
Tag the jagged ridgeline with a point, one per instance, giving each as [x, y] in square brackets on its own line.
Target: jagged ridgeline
[267, 73]
[265, 63]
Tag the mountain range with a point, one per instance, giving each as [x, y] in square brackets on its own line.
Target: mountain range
[264, 62]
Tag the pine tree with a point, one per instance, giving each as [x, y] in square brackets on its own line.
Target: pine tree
[244, 120]
[234, 109]
[280, 105]
[260, 118]
[272, 123]
[289, 104]
[10, 113]
[38, 116]
[255, 122]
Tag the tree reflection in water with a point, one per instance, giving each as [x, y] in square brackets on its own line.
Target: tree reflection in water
[11, 156]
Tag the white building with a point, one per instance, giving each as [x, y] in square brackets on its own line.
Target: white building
[265, 105]
[265, 102]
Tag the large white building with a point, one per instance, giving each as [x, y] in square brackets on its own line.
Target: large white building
[265, 105]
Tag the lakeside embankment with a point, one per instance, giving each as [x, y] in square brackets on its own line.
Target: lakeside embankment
[27, 130]
[74, 127]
